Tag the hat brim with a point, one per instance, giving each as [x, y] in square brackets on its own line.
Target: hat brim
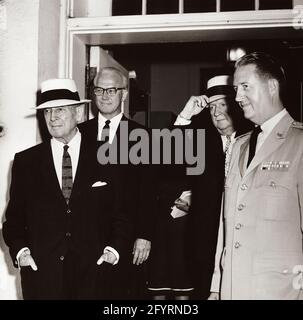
[60, 103]
[216, 97]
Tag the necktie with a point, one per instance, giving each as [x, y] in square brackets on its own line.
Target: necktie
[227, 154]
[105, 132]
[67, 176]
[253, 144]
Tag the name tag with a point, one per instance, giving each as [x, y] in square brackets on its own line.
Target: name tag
[275, 165]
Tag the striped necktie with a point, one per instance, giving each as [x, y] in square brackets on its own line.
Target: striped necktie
[67, 176]
[227, 154]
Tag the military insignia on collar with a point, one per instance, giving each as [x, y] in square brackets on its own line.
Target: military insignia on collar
[275, 165]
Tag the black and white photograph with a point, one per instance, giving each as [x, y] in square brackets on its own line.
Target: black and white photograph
[151, 152]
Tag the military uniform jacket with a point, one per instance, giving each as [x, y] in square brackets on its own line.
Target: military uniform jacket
[263, 217]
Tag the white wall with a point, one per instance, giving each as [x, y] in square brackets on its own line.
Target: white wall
[18, 83]
[28, 54]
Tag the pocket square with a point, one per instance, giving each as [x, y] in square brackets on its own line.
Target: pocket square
[99, 184]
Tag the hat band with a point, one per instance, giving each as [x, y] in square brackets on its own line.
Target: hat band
[59, 94]
[226, 90]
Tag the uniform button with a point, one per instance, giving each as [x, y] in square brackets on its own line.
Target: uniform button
[238, 226]
[69, 211]
[237, 245]
[241, 207]
[68, 234]
[273, 184]
[62, 258]
[244, 186]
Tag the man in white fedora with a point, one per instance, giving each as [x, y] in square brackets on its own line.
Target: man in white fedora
[64, 222]
[223, 122]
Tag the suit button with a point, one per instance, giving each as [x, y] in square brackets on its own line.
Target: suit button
[69, 211]
[244, 187]
[241, 207]
[68, 234]
[62, 258]
[238, 226]
[272, 184]
[237, 245]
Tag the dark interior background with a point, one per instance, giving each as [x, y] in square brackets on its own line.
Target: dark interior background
[169, 73]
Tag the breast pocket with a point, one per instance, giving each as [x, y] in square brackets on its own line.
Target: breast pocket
[275, 183]
[276, 191]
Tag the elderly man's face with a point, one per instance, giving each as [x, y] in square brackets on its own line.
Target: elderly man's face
[62, 122]
[220, 117]
[110, 105]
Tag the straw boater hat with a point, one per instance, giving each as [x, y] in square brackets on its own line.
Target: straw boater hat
[219, 87]
[59, 93]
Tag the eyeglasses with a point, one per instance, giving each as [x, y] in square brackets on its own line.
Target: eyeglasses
[98, 91]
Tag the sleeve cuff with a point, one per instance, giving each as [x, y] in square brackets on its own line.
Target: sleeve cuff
[114, 251]
[215, 283]
[180, 121]
[19, 254]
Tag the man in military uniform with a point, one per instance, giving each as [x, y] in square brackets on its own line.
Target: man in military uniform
[263, 257]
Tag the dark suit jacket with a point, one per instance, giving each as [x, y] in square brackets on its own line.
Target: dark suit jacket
[205, 209]
[38, 217]
[138, 180]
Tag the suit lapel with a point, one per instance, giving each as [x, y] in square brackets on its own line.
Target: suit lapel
[48, 173]
[92, 132]
[85, 168]
[243, 157]
[272, 142]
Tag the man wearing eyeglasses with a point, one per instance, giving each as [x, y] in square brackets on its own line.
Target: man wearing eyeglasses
[110, 92]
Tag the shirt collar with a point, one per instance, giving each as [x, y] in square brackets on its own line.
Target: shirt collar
[113, 121]
[232, 136]
[268, 125]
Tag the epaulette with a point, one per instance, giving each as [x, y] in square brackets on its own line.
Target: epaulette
[297, 124]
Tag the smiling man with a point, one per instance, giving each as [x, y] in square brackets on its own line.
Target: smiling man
[65, 223]
[110, 91]
[263, 256]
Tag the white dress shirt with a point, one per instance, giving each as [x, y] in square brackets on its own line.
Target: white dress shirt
[224, 140]
[113, 126]
[180, 121]
[73, 150]
[268, 126]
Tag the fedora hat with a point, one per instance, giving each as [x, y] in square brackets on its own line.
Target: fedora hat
[219, 87]
[59, 93]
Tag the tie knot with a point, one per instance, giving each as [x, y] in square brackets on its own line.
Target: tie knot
[257, 130]
[107, 122]
[65, 147]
